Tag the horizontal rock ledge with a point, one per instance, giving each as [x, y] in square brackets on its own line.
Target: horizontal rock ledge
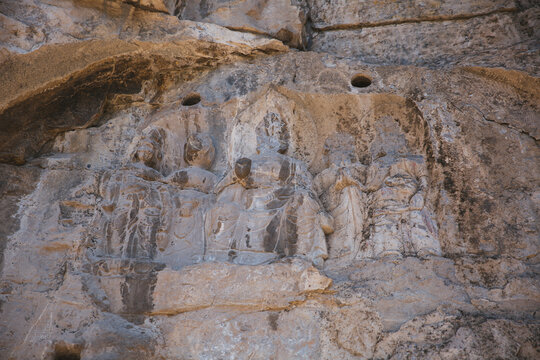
[260, 287]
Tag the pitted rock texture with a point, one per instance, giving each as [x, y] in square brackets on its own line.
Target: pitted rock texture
[432, 34]
[342, 13]
[185, 180]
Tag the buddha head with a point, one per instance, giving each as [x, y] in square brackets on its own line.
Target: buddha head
[149, 148]
[199, 150]
[340, 149]
[272, 134]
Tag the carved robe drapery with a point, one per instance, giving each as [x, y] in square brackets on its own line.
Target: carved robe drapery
[270, 214]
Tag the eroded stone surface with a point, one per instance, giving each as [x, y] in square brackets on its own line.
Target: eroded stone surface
[272, 287]
[497, 40]
[259, 17]
[343, 13]
[174, 189]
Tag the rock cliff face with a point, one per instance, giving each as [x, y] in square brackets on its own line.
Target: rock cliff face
[254, 179]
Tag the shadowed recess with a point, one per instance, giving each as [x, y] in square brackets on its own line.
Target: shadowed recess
[77, 103]
[191, 99]
[360, 81]
[63, 351]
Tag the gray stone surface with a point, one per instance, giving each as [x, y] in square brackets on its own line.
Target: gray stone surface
[342, 13]
[255, 16]
[175, 189]
[504, 39]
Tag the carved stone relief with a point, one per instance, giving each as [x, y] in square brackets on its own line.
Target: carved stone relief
[342, 190]
[401, 223]
[379, 210]
[146, 216]
[167, 183]
[267, 205]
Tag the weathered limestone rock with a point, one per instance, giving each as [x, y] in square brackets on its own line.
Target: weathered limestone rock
[105, 69]
[271, 287]
[447, 336]
[498, 40]
[344, 14]
[151, 5]
[265, 206]
[176, 182]
[258, 17]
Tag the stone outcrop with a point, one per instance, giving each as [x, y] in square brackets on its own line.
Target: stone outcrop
[258, 17]
[269, 179]
[432, 34]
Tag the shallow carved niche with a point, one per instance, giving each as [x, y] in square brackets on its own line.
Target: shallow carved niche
[401, 222]
[379, 209]
[131, 211]
[341, 188]
[192, 197]
[265, 206]
[147, 221]
[147, 216]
